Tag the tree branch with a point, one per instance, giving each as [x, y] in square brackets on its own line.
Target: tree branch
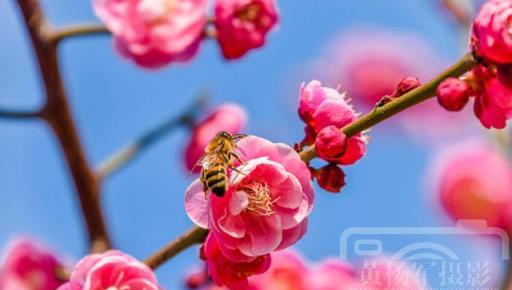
[57, 113]
[195, 235]
[19, 115]
[392, 108]
[86, 29]
[131, 151]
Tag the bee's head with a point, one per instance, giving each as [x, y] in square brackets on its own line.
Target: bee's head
[224, 134]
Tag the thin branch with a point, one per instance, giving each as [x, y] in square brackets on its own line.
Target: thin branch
[57, 113]
[461, 11]
[408, 100]
[131, 151]
[19, 115]
[195, 235]
[86, 29]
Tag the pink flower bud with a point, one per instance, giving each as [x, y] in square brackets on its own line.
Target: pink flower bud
[154, 33]
[242, 25]
[331, 143]
[491, 36]
[111, 270]
[453, 94]
[227, 117]
[331, 178]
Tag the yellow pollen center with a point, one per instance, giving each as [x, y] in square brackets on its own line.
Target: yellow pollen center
[249, 13]
[156, 11]
[259, 197]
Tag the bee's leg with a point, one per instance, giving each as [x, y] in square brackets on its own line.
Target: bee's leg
[236, 170]
[234, 155]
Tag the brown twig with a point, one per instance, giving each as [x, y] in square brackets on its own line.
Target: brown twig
[57, 114]
[129, 152]
[396, 106]
[79, 30]
[195, 235]
[19, 115]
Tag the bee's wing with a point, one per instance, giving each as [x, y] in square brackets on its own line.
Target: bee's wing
[198, 163]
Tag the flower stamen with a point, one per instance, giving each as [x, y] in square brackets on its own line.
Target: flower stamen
[260, 200]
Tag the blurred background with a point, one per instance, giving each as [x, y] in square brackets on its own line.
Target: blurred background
[114, 102]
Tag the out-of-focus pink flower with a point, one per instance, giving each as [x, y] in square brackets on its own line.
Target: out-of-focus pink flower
[223, 271]
[227, 117]
[330, 177]
[243, 25]
[111, 270]
[453, 94]
[28, 266]
[474, 181]
[199, 278]
[266, 205]
[493, 101]
[491, 32]
[369, 62]
[331, 143]
[154, 33]
[333, 274]
[321, 107]
[287, 272]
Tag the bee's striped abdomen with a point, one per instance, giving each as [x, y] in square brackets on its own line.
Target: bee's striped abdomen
[215, 179]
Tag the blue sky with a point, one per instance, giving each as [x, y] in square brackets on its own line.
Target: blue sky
[114, 102]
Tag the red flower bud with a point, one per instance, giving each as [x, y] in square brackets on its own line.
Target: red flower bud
[196, 280]
[331, 178]
[406, 85]
[453, 94]
[331, 143]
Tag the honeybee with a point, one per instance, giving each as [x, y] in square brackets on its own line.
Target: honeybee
[218, 157]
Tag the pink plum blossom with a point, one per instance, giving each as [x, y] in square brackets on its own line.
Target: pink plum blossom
[154, 33]
[474, 181]
[321, 107]
[111, 270]
[265, 207]
[243, 25]
[493, 99]
[491, 32]
[223, 271]
[227, 117]
[29, 266]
